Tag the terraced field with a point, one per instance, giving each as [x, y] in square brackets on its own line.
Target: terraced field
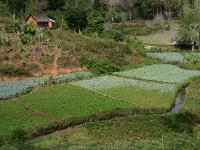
[175, 56]
[162, 73]
[11, 89]
[153, 86]
[135, 132]
[53, 103]
[192, 98]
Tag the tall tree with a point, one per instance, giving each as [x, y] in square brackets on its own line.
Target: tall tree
[190, 23]
[76, 19]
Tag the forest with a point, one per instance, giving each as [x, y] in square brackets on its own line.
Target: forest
[79, 14]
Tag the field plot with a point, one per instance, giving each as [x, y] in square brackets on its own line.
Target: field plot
[161, 72]
[141, 93]
[141, 97]
[106, 82]
[173, 56]
[192, 98]
[138, 132]
[53, 103]
[11, 89]
[64, 101]
[14, 116]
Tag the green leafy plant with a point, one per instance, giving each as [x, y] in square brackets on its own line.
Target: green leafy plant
[118, 37]
[12, 28]
[6, 41]
[27, 34]
[102, 66]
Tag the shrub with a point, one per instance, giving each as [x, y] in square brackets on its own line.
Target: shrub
[118, 37]
[127, 49]
[27, 34]
[193, 58]
[19, 136]
[65, 61]
[12, 70]
[5, 56]
[108, 33]
[102, 66]
[12, 28]
[46, 59]
[29, 29]
[139, 47]
[83, 60]
[33, 67]
[5, 41]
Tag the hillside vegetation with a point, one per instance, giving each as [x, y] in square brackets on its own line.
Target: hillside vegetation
[121, 74]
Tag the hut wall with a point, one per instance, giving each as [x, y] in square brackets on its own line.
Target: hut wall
[50, 24]
[31, 20]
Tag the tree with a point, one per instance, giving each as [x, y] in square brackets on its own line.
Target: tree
[100, 5]
[76, 19]
[190, 24]
[95, 21]
[3, 9]
[56, 4]
[147, 9]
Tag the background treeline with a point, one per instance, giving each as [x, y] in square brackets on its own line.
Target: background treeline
[113, 10]
[92, 14]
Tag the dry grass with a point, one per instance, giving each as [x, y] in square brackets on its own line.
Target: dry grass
[161, 37]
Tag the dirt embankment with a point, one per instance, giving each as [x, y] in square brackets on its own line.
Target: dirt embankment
[41, 63]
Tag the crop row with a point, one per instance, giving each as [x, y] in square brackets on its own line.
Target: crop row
[174, 56]
[53, 102]
[10, 89]
[114, 81]
[160, 72]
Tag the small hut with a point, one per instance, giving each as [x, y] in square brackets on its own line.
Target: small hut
[40, 21]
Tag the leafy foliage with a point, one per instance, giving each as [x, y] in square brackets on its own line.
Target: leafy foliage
[102, 66]
[27, 34]
[11, 89]
[95, 21]
[161, 72]
[76, 19]
[107, 82]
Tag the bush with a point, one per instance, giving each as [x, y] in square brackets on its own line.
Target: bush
[137, 45]
[118, 37]
[83, 60]
[67, 61]
[5, 56]
[88, 32]
[108, 33]
[27, 34]
[5, 41]
[102, 66]
[19, 136]
[12, 70]
[46, 59]
[127, 49]
[192, 58]
[12, 28]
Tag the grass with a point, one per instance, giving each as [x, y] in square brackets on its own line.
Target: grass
[14, 116]
[53, 103]
[192, 98]
[141, 97]
[67, 100]
[162, 38]
[135, 132]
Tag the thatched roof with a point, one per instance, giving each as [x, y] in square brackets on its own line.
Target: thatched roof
[40, 18]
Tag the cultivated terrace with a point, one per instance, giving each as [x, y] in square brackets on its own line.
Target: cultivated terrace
[99, 74]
